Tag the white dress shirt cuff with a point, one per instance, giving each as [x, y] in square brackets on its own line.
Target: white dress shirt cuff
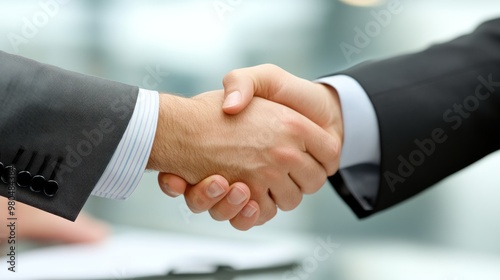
[360, 157]
[125, 170]
[361, 133]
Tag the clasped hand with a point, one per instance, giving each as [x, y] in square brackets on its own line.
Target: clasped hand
[276, 138]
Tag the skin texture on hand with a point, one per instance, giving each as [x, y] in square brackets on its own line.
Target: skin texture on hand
[320, 103]
[276, 151]
[37, 225]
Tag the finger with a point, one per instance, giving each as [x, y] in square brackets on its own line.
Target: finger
[322, 146]
[286, 193]
[308, 174]
[247, 218]
[204, 195]
[268, 208]
[241, 85]
[234, 202]
[172, 185]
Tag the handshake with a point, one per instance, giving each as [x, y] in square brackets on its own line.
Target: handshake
[243, 152]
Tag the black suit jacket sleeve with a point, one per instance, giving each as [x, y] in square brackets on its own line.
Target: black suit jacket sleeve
[68, 125]
[438, 111]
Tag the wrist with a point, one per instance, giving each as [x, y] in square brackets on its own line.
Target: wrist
[168, 126]
[182, 126]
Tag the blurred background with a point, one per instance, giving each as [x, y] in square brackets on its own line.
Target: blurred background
[187, 46]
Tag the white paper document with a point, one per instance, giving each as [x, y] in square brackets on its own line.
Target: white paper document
[136, 254]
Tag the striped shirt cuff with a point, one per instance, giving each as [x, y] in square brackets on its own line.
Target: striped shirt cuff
[125, 170]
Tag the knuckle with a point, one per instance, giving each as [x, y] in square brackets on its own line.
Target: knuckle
[316, 184]
[258, 193]
[334, 147]
[292, 203]
[230, 77]
[269, 176]
[332, 150]
[285, 156]
[297, 128]
[332, 167]
[268, 214]
[293, 123]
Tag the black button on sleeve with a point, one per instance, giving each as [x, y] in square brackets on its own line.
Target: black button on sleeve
[37, 183]
[51, 188]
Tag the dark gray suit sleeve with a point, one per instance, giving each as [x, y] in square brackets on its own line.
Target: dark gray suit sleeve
[438, 112]
[61, 126]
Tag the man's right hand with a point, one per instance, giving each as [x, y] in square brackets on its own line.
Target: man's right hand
[276, 151]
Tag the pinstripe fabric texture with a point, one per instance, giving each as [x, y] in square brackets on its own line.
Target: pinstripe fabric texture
[125, 170]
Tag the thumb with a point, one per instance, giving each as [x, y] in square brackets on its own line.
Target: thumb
[266, 81]
[239, 90]
[241, 85]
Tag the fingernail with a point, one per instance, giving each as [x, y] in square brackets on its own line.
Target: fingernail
[167, 189]
[232, 99]
[215, 190]
[248, 211]
[236, 196]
